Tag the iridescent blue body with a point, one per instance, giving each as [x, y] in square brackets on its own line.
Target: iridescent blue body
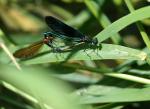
[65, 32]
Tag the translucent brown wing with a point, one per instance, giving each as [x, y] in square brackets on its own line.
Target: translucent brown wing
[28, 51]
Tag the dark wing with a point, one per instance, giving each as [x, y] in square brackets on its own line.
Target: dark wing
[62, 28]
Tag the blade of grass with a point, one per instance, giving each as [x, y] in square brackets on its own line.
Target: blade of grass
[111, 94]
[101, 17]
[107, 51]
[130, 78]
[3, 46]
[39, 84]
[13, 102]
[113, 74]
[121, 23]
[139, 25]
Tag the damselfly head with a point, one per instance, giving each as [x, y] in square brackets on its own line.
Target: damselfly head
[46, 34]
[48, 40]
[94, 41]
[91, 41]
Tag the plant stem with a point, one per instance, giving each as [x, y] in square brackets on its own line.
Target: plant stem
[107, 72]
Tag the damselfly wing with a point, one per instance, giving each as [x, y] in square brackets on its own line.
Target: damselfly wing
[28, 51]
[64, 31]
[35, 47]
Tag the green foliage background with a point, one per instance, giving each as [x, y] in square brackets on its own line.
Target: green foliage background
[116, 74]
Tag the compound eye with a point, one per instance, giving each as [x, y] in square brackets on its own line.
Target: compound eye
[46, 35]
[95, 41]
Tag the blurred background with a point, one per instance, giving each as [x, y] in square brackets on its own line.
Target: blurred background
[25, 18]
[22, 22]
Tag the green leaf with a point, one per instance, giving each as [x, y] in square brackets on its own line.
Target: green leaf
[102, 18]
[107, 51]
[39, 87]
[139, 25]
[118, 25]
[105, 94]
[140, 72]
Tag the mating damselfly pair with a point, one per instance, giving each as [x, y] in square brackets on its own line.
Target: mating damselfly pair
[58, 30]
